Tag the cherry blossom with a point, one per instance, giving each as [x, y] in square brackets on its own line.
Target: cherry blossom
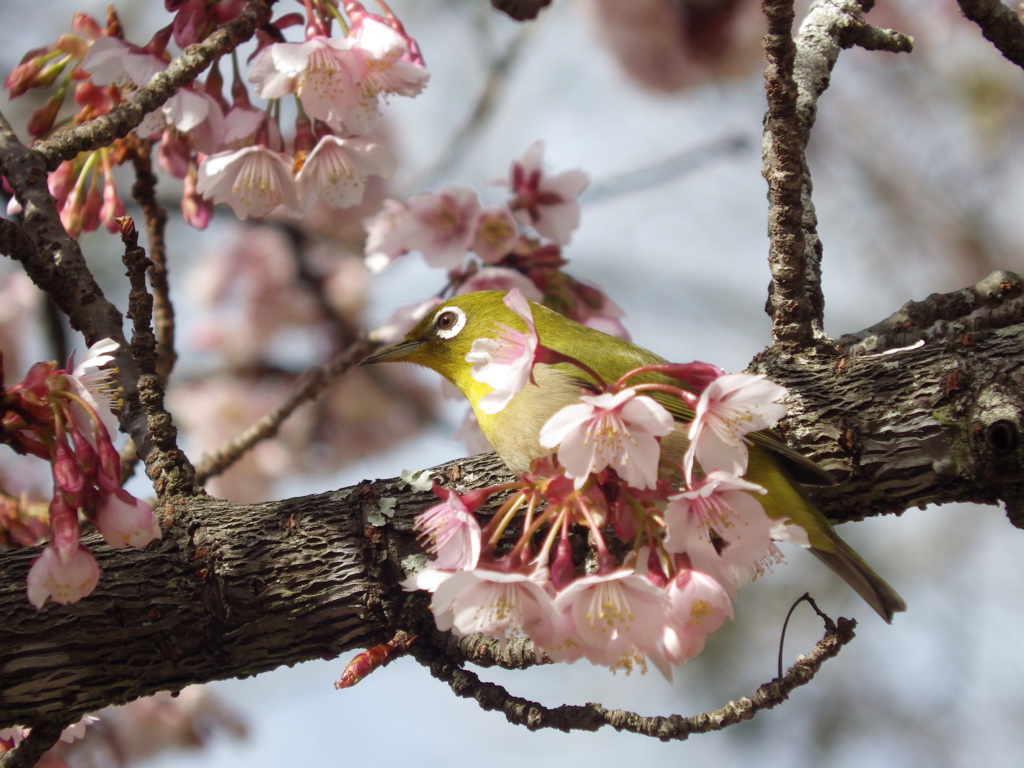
[496, 234]
[731, 407]
[385, 240]
[253, 181]
[387, 58]
[125, 521]
[95, 387]
[112, 61]
[441, 225]
[325, 72]
[496, 604]
[63, 578]
[336, 170]
[698, 606]
[546, 202]
[616, 619]
[619, 430]
[450, 532]
[505, 362]
[723, 505]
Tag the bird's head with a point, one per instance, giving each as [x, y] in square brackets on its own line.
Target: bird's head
[442, 339]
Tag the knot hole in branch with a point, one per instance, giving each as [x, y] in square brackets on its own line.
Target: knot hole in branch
[996, 428]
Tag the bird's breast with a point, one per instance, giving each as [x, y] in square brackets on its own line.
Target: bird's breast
[513, 432]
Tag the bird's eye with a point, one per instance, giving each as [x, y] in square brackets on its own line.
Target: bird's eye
[449, 322]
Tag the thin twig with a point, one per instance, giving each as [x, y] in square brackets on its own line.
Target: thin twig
[311, 385]
[591, 717]
[119, 121]
[144, 192]
[495, 84]
[173, 472]
[1000, 25]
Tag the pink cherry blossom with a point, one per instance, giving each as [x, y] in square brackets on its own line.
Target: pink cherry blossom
[387, 58]
[501, 279]
[112, 61]
[615, 619]
[496, 234]
[385, 240]
[505, 362]
[441, 225]
[325, 73]
[253, 181]
[496, 604]
[94, 385]
[731, 407]
[724, 505]
[698, 606]
[64, 579]
[336, 170]
[126, 521]
[76, 731]
[617, 430]
[189, 111]
[450, 532]
[546, 202]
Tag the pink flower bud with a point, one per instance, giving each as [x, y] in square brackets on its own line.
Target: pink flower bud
[86, 25]
[24, 75]
[43, 118]
[66, 472]
[109, 477]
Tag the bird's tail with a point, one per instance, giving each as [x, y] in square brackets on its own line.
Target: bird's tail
[865, 582]
[786, 499]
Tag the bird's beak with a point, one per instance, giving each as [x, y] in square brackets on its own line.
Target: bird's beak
[394, 353]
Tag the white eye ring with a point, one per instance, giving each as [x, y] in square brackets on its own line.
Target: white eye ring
[452, 331]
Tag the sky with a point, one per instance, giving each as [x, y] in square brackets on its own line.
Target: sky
[684, 256]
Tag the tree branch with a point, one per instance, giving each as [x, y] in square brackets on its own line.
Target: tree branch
[797, 74]
[591, 717]
[119, 122]
[1000, 25]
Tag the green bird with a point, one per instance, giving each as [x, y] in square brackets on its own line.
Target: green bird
[442, 339]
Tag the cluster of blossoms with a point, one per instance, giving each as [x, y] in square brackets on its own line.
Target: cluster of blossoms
[224, 149]
[672, 532]
[516, 245]
[64, 417]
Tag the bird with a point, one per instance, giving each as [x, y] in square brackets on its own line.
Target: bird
[441, 340]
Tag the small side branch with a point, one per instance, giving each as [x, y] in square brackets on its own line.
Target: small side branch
[797, 74]
[167, 465]
[1000, 25]
[314, 382]
[144, 192]
[120, 121]
[796, 307]
[591, 717]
